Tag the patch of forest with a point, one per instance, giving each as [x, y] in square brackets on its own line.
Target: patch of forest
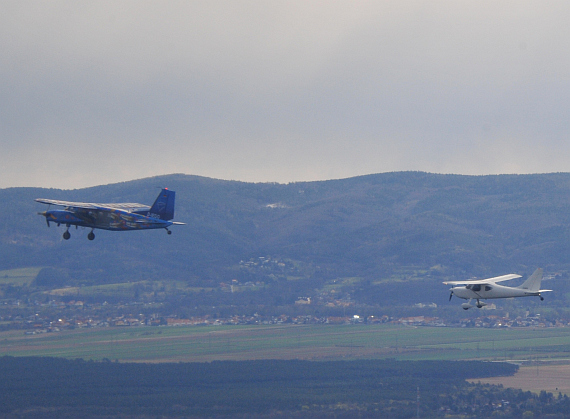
[54, 387]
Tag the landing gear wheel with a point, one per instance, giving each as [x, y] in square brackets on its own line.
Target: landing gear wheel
[169, 232]
[91, 235]
[66, 235]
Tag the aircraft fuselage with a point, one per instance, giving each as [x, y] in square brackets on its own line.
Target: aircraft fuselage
[114, 220]
[490, 291]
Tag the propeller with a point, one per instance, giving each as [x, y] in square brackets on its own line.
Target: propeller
[45, 215]
[450, 295]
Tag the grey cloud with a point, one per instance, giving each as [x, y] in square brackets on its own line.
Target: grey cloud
[98, 92]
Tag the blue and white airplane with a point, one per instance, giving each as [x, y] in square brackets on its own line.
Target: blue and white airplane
[115, 217]
[481, 289]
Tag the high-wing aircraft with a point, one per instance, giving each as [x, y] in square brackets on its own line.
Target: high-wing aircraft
[116, 217]
[481, 289]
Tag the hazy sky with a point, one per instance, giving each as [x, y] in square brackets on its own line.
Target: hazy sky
[97, 92]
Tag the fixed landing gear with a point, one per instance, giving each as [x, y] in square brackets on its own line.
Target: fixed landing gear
[467, 306]
[480, 304]
[67, 235]
[168, 231]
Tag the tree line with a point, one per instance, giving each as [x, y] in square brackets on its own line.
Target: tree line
[55, 387]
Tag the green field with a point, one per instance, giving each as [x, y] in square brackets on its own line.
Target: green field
[127, 289]
[19, 277]
[312, 342]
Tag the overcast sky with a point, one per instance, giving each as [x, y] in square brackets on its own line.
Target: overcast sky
[97, 92]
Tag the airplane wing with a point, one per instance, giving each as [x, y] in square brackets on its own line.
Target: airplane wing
[484, 281]
[131, 207]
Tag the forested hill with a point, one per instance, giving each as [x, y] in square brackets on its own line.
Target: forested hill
[368, 226]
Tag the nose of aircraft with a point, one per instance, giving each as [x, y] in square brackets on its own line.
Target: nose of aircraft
[45, 215]
[460, 292]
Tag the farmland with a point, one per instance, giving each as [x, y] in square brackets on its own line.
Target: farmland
[553, 378]
[310, 342]
[19, 277]
[544, 353]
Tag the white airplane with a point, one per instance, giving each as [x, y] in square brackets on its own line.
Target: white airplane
[481, 289]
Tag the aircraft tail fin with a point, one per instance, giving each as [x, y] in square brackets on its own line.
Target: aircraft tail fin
[163, 207]
[533, 282]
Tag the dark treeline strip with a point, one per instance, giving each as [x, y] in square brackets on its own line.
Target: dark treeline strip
[32, 387]
[53, 387]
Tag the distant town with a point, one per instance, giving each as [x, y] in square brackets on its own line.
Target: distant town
[57, 316]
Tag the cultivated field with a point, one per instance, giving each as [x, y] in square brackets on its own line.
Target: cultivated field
[19, 277]
[317, 342]
[543, 353]
[553, 378]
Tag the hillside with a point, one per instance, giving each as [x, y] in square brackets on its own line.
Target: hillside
[379, 229]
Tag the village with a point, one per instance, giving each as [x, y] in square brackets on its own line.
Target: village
[59, 316]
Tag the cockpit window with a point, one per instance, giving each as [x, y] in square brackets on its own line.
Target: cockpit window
[488, 288]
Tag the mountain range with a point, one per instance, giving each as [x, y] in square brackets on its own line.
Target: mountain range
[381, 228]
